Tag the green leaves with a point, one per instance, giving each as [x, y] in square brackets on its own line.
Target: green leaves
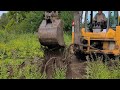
[3, 21]
[29, 21]
[67, 17]
[20, 46]
[23, 21]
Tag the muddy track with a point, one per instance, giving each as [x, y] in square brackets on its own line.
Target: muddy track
[61, 58]
[76, 69]
[53, 60]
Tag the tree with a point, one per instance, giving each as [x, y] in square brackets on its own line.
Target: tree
[67, 17]
[29, 21]
[3, 21]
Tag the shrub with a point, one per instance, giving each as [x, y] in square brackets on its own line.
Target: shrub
[67, 17]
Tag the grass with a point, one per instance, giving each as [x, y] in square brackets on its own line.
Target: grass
[16, 69]
[16, 49]
[14, 46]
[100, 70]
[60, 73]
[67, 38]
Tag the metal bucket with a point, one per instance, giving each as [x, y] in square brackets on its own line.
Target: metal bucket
[51, 34]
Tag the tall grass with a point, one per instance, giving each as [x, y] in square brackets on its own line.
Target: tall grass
[100, 70]
[19, 46]
[67, 38]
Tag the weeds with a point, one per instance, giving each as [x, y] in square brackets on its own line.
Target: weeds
[21, 46]
[17, 51]
[67, 38]
[100, 70]
[60, 73]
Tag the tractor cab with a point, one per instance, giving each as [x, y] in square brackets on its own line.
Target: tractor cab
[91, 25]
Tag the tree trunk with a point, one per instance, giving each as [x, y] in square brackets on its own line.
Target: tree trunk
[78, 21]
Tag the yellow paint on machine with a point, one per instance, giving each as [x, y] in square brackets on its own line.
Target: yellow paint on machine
[111, 35]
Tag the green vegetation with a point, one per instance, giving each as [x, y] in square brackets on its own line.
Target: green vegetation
[100, 70]
[19, 69]
[21, 57]
[29, 21]
[15, 46]
[60, 73]
[19, 45]
[67, 17]
[16, 49]
[67, 38]
[21, 53]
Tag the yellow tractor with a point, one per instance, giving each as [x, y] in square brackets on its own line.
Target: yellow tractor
[99, 38]
[87, 36]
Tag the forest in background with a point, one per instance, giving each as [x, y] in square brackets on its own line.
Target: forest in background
[29, 21]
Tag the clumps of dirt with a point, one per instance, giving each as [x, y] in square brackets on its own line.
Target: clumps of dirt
[53, 60]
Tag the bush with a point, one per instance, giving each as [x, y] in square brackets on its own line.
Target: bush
[67, 17]
[31, 23]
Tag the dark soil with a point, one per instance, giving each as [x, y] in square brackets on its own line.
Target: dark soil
[53, 59]
[75, 67]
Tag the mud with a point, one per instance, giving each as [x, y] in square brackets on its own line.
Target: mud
[77, 65]
[53, 60]
[76, 68]
[61, 58]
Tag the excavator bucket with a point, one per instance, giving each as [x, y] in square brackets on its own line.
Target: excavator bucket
[51, 34]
